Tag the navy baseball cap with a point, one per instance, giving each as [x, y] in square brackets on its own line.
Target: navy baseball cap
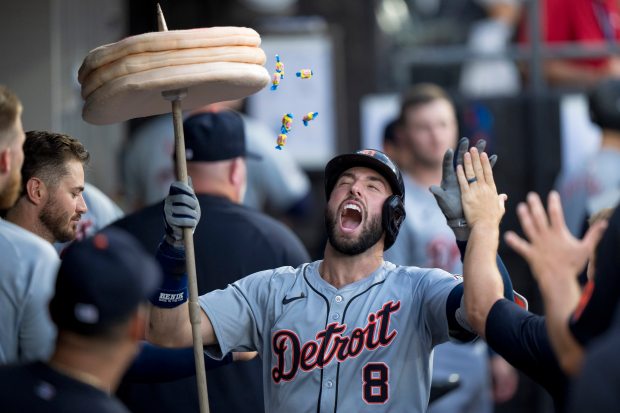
[101, 281]
[215, 136]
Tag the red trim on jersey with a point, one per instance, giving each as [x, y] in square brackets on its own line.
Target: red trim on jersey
[584, 300]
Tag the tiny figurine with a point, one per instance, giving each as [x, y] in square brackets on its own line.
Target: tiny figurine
[279, 66]
[281, 141]
[275, 80]
[304, 74]
[309, 116]
[287, 123]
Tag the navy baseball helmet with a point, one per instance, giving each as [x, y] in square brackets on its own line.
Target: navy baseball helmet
[394, 207]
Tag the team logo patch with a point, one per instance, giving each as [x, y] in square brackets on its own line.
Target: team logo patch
[369, 152]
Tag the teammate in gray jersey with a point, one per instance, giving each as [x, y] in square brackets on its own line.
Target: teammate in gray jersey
[349, 333]
[596, 184]
[28, 264]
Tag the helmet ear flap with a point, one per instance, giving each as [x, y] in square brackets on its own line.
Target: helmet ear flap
[392, 216]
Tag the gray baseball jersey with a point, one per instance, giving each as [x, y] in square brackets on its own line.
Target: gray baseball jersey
[28, 266]
[363, 347]
[424, 239]
[591, 188]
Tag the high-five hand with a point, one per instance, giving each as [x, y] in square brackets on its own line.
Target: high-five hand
[448, 193]
[550, 249]
[481, 203]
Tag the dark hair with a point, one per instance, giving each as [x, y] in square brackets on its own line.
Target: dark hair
[419, 95]
[10, 109]
[46, 155]
[604, 104]
[389, 132]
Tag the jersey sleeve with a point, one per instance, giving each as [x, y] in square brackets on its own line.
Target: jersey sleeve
[238, 313]
[442, 307]
[155, 364]
[521, 338]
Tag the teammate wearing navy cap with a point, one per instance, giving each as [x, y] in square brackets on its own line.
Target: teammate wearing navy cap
[101, 284]
[349, 333]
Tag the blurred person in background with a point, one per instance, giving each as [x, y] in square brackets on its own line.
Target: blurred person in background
[585, 22]
[595, 185]
[427, 126]
[499, 76]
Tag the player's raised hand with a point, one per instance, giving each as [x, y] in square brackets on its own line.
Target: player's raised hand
[550, 249]
[481, 202]
[181, 210]
[448, 194]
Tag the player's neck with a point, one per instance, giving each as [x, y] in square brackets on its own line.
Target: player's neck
[26, 216]
[79, 374]
[93, 364]
[340, 270]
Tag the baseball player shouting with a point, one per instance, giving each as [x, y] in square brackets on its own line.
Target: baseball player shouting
[350, 333]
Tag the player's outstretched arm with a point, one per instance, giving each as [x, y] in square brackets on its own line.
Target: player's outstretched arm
[555, 258]
[483, 209]
[169, 323]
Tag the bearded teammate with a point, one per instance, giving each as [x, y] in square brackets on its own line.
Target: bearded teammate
[351, 332]
[51, 203]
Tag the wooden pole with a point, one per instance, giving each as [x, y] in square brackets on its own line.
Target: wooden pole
[175, 97]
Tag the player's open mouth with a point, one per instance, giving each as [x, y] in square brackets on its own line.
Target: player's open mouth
[351, 216]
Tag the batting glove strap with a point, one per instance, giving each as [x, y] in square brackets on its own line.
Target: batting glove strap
[173, 291]
[460, 228]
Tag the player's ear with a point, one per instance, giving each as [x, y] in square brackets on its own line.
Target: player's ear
[36, 191]
[5, 160]
[237, 174]
[137, 324]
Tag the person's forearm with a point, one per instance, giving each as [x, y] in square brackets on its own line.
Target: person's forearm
[155, 364]
[169, 327]
[482, 281]
[560, 300]
[503, 271]
[562, 73]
